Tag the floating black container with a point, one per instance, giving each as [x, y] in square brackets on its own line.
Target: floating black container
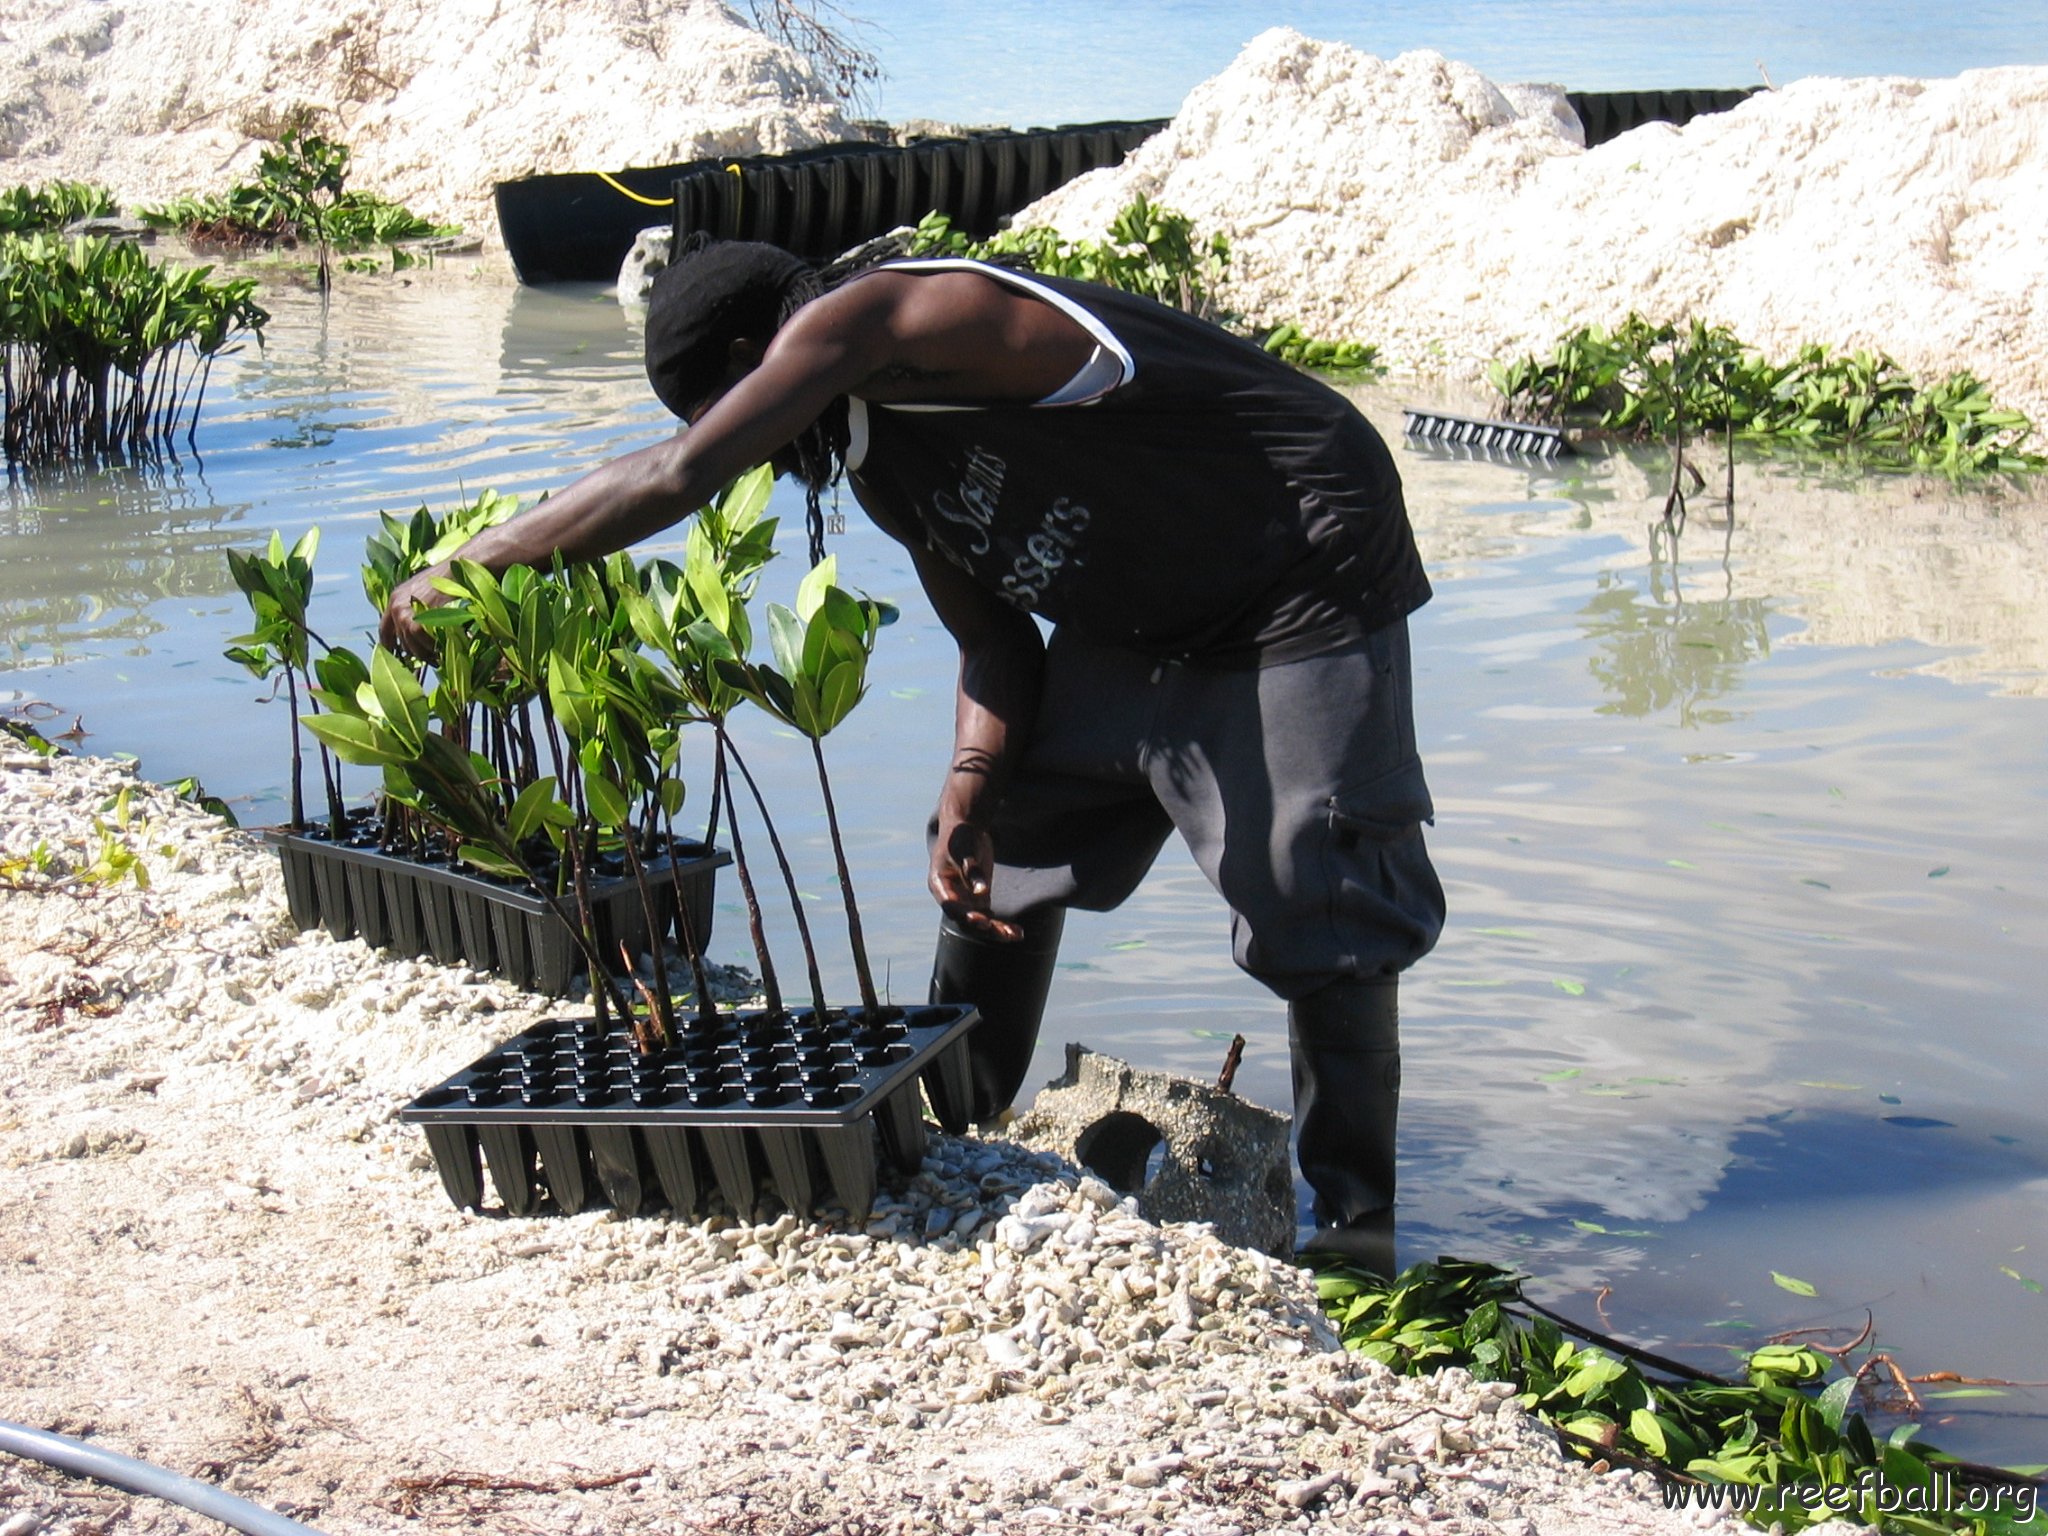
[455, 916]
[800, 1109]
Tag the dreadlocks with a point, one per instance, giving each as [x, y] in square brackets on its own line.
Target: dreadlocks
[713, 293]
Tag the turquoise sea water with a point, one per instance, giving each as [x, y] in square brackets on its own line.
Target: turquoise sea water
[1049, 61]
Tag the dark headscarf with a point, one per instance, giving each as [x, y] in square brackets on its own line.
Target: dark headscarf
[712, 294]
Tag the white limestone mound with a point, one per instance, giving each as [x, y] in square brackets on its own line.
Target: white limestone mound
[1413, 203]
[438, 98]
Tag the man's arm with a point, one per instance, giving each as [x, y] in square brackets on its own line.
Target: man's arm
[835, 346]
[1001, 659]
[947, 336]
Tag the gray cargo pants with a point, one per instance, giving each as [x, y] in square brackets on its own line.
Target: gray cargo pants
[1297, 788]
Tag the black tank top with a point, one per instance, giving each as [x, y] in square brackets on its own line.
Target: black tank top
[1216, 505]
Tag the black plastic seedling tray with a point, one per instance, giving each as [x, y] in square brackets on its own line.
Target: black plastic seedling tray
[795, 1108]
[445, 911]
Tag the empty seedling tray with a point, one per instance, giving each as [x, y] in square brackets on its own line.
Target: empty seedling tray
[796, 1108]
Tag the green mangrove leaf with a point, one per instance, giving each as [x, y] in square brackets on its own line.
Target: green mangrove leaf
[489, 860]
[1796, 1287]
[354, 740]
[399, 699]
[608, 802]
[531, 811]
[786, 639]
[810, 592]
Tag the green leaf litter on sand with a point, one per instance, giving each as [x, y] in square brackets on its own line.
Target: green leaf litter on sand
[1937, 872]
[1128, 944]
[1570, 988]
[1564, 1074]
[1832, 1087]
[1796, 1287]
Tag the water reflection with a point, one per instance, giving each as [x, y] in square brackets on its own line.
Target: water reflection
[1655, 651]
[91, 555]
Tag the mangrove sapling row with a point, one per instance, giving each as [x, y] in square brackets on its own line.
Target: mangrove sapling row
[299, 197]
[28, 210]
[105, 353]
[1649, 381]
[545, 736]
[1151, 251]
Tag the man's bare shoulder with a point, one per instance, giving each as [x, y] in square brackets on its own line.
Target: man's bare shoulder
[976, 335]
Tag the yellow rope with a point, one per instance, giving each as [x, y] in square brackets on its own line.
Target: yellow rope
[626, 191]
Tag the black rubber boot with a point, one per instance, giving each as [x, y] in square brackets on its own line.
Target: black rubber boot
[1008, 982]
[1345, 1043]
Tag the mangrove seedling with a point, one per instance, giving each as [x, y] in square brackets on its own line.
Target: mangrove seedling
[703, 626]
[385, 723]
[821, 647]
[299, 195]
[278, 585]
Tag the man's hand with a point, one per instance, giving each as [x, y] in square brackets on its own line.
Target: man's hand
[963, 862]
[400, 628]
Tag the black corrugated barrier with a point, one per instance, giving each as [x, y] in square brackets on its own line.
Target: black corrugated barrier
[820, 202]
[815, 202]
[1609, 114]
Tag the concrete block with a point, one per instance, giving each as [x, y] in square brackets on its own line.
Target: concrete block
[1222, 1159]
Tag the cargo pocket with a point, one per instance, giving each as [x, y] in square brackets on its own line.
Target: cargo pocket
[1384, 810]
[1386, 903]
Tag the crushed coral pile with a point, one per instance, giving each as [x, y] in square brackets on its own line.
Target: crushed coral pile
[438, 98]
[1415, 204]
[223, 1255]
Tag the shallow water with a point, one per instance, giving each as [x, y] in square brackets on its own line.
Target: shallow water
[1744, 839]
